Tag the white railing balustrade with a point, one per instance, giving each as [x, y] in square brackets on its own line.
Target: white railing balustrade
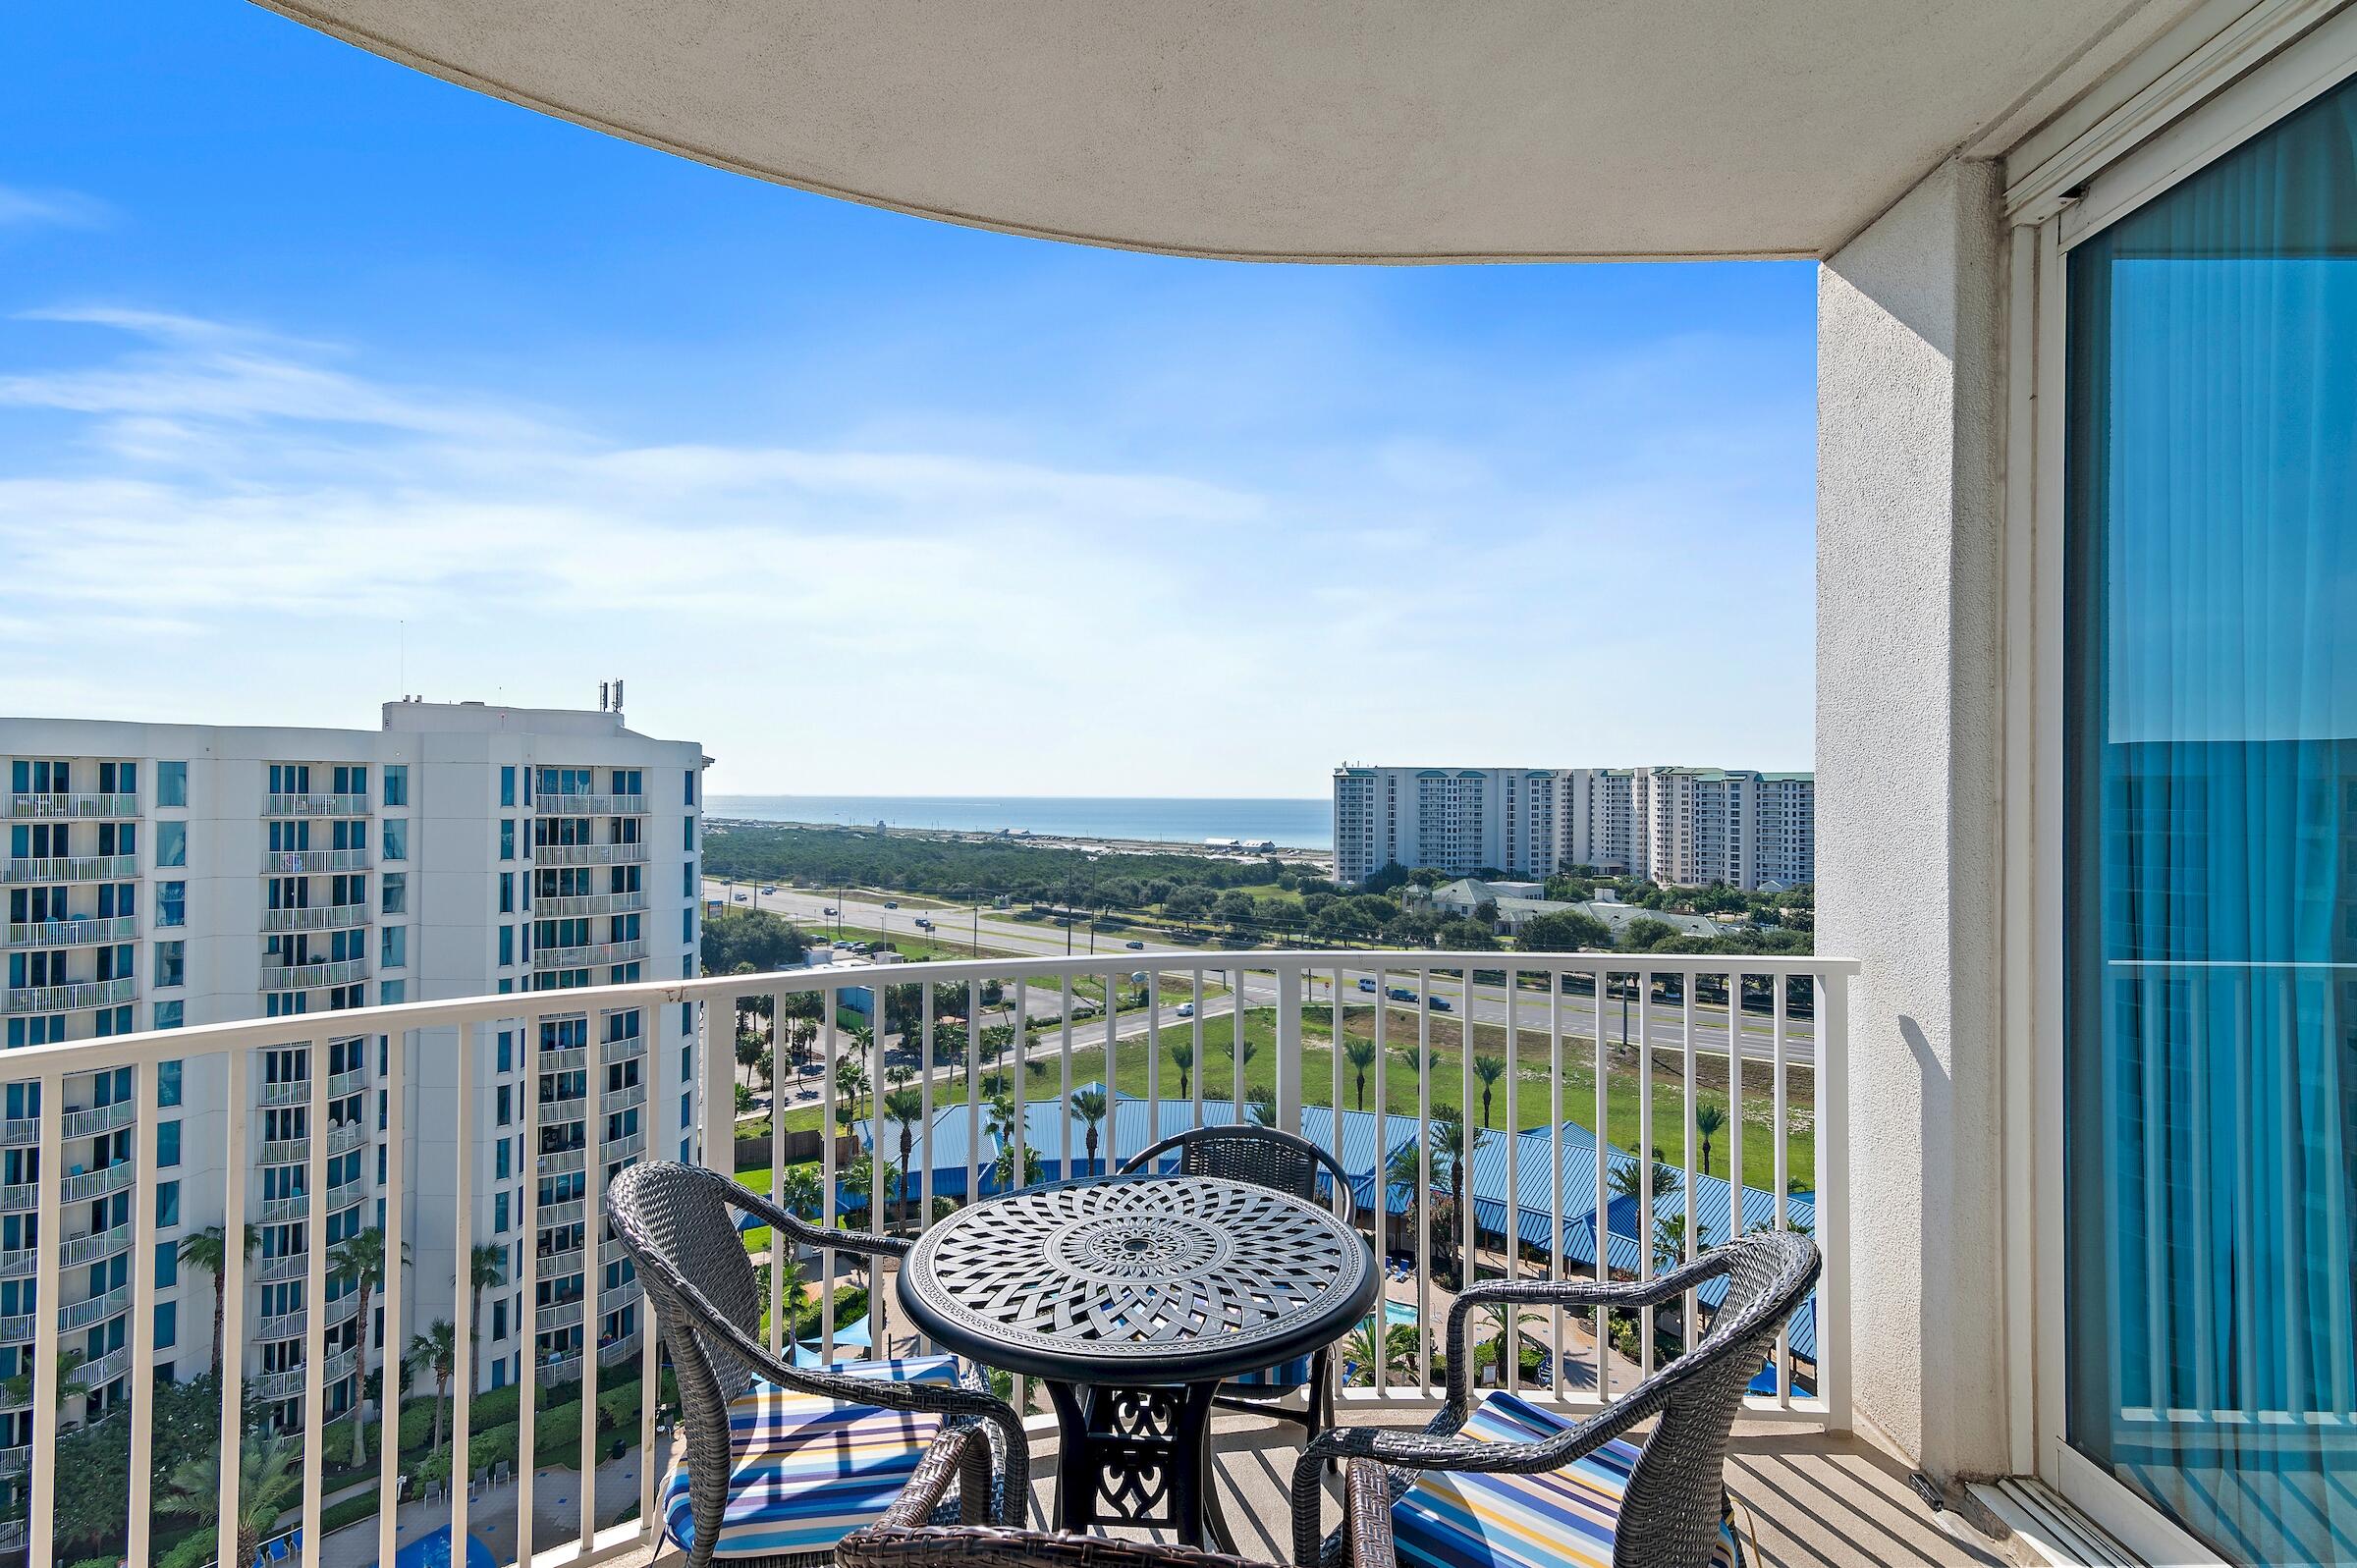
[73, 805]
[1500, 1114]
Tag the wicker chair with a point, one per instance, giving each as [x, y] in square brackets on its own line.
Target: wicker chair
[1263, 1157]
[903, 1540]
[1661, 1506]
[676, 1223]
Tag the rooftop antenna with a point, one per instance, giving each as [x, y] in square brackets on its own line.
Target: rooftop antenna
[618, 696]
[601, 697]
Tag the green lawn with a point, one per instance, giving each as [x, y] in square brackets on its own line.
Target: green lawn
[1624, 1099]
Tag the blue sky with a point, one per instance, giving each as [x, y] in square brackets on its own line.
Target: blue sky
[306, 359]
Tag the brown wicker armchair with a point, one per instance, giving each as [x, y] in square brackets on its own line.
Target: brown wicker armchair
[1661, 1505]
[903, 1540]
[927, 1434]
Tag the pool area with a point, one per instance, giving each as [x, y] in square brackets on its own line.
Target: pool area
[432, 1551]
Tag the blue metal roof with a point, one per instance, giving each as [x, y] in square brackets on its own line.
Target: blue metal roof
[1133, 1125]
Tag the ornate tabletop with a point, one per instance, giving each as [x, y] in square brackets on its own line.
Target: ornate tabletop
[1132, 1280]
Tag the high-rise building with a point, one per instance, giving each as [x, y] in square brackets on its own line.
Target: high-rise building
[1460, 819]
[162, 875]
[1682, 827]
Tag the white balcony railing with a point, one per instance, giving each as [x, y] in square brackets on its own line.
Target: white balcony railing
[73, 805]
[319, 917]
[88, 933]
[588, 855]
[561, 805]
[582, 905]
[66, 998]
[74, 868]
[309, 976]
[606, 953]
[1601, 1061]
[304, 862]
[314, 806]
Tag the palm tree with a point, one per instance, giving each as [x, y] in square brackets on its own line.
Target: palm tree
[1182, 1056]
[69, 1362]
[1261, 1101]
[1452, 1143]
[1489, 1069]
[208, 1251]
[269, 1475]
[1089, 1105]
[1398, 1353]
[799, 1192]
[905, 1107]
[1709, 1118]
[485, 1268]
[358, 1260]
[1630, 1179]
[1001, 1128]
[436, 1352]
[745, 1099]
[1361, 1054]
[851, 1082]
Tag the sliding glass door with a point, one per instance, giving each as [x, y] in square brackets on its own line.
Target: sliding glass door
[2210, 909]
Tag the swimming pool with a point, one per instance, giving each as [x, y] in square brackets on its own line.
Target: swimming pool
[432, 1551]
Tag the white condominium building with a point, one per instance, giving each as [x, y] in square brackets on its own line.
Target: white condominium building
[163, 874]
[1676, 826]
[1462, 820]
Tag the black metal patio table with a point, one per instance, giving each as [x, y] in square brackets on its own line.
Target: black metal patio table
[1133, 1298]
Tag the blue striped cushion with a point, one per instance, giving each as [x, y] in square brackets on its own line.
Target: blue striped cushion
[1563, 1519]
[1289, 1374]
[806, 1471]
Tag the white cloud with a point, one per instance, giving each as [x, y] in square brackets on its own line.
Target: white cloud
[24, 208]
[241, 520]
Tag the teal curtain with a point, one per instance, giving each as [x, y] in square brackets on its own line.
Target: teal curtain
[2211, 845]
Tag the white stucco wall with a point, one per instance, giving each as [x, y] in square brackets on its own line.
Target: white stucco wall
[1910, 379]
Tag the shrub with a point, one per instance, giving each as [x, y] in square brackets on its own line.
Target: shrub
[496, 1407]
[350, 1511]
[107, 1561]
[192, 1551]
[557, 1437]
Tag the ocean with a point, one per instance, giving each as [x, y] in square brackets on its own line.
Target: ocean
[1292, 824]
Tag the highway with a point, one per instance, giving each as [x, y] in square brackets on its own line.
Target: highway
[961, 926]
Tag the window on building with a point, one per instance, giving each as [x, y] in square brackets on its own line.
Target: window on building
[397, 892]
[396, 784]
[392, 947]
[167, 1144]
[170, 963]
[171, 904]
[689, 776]
[167, 1073]
[397, 838]
[499, 1214]
[507, 944]
[391, 991]
[507, 786]
[171, 784]
[507, 893]
[167, 1324]
[506, 1105]
[507, 838]
[171, 843]
[167, 1204]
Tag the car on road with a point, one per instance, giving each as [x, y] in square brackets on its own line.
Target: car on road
[741, 897]
[1440, 1004]
[1366, 983]
[830, 909]
[922, 924]
[1134, 947]
[892, 903]
[769, 887]
[1399, 994]
[1186, 1010]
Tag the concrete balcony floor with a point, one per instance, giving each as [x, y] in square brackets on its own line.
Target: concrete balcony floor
[1803, 1501]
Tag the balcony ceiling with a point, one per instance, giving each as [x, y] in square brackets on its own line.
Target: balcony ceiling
[1389, 130]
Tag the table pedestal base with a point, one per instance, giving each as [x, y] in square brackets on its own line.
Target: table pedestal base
[1135, 1456]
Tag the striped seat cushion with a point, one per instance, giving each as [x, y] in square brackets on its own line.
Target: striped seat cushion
[1562, 1519]
[805, 1472]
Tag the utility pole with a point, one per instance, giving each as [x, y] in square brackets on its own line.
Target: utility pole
[978, 952]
